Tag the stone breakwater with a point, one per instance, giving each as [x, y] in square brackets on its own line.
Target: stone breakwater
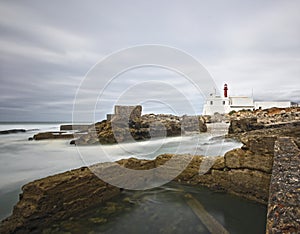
[284, 200]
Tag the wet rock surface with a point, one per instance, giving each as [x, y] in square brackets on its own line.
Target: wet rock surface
[284, 200]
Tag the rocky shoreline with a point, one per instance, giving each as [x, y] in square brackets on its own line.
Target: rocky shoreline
[60, 196]
[240, 172]
[244, 172]
[121, 129]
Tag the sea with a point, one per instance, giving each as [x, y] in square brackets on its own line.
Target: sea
[22, 161]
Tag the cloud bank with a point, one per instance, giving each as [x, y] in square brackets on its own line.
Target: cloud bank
[46, 48]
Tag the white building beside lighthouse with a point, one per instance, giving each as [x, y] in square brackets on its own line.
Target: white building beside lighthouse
[225, 104]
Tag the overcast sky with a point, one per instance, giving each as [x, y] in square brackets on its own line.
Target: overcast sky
[47, 47]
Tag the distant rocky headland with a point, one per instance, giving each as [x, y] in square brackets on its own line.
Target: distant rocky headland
[265, 169]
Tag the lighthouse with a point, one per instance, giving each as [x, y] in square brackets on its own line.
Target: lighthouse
[222, 105]
[225, 91]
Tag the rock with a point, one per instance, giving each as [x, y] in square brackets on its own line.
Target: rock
[193, 124]
[55, 198]
[259, 144]
[52, 135]
[244, 125]
[120, 129]
[269, 116]
[243, 159]
[61, 196]
[10, 131]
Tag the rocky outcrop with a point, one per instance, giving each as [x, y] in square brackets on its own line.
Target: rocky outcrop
[239, 126]
[55, 198]
[52, 135]
[120, 129]
[270, 116]
[289, 129]
[244, 125]
[12, 131]
[274, 133]
[283, 209]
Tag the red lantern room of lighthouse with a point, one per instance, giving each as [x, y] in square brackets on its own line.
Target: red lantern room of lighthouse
[225, 91]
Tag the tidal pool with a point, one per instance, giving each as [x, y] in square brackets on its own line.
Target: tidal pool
[165, 210]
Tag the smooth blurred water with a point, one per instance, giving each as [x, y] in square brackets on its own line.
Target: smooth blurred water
[23, 161]
[165, 210]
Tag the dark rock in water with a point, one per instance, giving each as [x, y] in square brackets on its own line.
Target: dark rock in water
[52, 135]
[10, 131]
[30, 139]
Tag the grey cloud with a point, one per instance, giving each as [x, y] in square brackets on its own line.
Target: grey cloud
[47, 48]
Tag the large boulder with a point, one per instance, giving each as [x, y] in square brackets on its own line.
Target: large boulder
[244, 125]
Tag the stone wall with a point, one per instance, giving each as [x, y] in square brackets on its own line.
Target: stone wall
[283, 209]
